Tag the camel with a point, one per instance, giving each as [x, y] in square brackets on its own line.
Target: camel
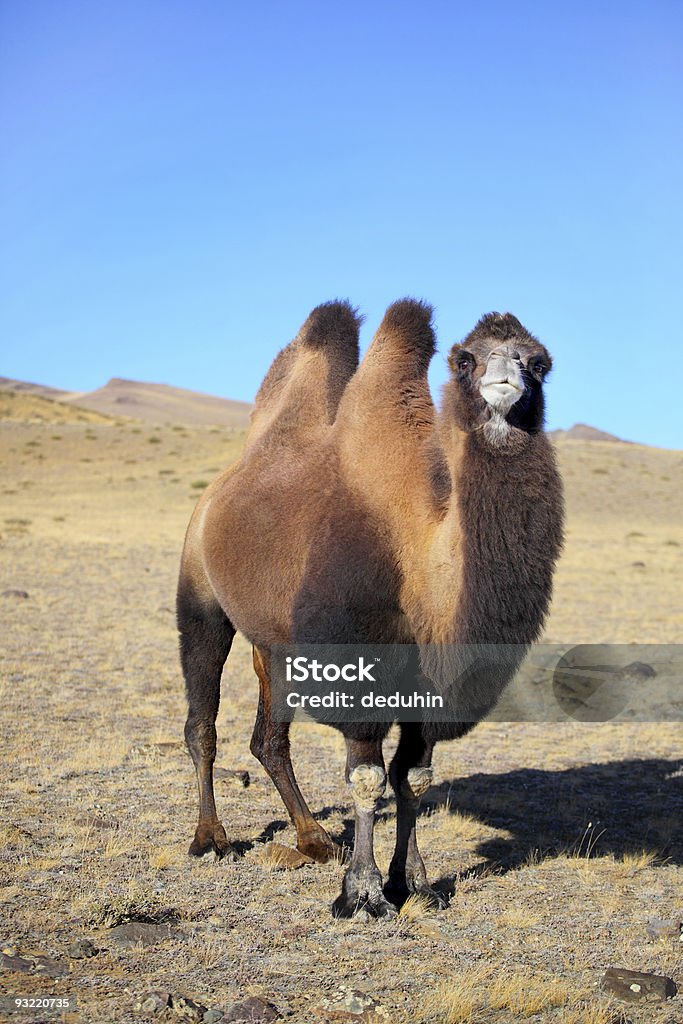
[385, 523]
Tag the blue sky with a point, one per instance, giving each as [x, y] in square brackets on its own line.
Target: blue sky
[181, 182]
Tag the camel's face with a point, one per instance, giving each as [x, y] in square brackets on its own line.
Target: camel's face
[501, 383]
[501, 367]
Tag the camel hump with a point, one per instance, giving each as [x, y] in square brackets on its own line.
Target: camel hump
[300, 393]
[332, 325]
[407, 327]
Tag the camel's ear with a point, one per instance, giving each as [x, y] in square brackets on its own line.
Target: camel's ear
[458, 357]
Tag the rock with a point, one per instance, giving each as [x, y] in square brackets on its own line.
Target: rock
[636, 987]
[82, 949]
[34, 963]
[11, 962]
[21, 594]
[252, 1009]
[135, 933]
[279, 857]
[213, 1016]
[186, 1008]
[352, 1005]
[153, 1002]
[238, 778]
[658, 929]
[638, 670]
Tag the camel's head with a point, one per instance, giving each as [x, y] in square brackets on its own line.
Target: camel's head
[499, 371]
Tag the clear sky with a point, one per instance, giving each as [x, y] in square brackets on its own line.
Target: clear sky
[180, 183]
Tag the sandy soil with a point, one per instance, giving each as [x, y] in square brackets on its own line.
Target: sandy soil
[559, 842]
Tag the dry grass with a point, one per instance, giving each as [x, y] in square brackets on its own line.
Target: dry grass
[477, 994]
[99, 797]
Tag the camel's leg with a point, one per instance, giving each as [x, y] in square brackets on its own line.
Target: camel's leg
[362, 886]
[206, 635]
[270, 744]
[410, 775]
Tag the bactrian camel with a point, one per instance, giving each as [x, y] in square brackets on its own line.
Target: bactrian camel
[357, 514]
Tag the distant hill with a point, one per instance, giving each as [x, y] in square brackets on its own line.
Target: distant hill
[25, 387]
[582, 432]
[25, 406]
[153, 403]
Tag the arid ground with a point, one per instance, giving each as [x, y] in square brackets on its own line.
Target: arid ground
[559, 843]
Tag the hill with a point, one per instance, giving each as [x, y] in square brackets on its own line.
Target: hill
[152, 403]
[582, 432]
[25, 406]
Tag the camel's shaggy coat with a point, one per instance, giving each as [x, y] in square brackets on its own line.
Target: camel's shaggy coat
[357, 514]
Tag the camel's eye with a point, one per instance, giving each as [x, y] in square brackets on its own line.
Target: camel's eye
[538, 368]
[464, 364]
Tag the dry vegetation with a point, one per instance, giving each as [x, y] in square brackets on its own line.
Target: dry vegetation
[560, 841]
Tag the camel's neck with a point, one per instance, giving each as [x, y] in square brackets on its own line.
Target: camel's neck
[509, 508]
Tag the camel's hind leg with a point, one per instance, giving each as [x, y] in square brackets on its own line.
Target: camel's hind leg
[206, 635]
[270, 744]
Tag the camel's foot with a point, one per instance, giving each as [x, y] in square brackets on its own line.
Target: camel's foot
[362, 897]
[398, 890]
[319, 847]
[211, 838]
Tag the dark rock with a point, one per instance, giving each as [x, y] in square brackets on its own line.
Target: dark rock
[236, 777]
[22, 594]
[15, 963]
[135, 933]
[637, 987]
[254, 1009]
[82, 949]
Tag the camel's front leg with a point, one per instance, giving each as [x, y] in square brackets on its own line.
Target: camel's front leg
[411, 777]
[362, 886]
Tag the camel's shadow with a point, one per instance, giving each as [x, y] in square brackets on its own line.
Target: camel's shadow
[619, 808]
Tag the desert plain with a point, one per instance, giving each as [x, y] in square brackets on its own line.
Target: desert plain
[557, 843]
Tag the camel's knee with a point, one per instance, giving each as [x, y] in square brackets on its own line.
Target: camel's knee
[367, 782]
[200, 736]
[417, 782]
[271, 751]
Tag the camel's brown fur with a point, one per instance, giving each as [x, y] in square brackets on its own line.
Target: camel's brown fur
[385, 523]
